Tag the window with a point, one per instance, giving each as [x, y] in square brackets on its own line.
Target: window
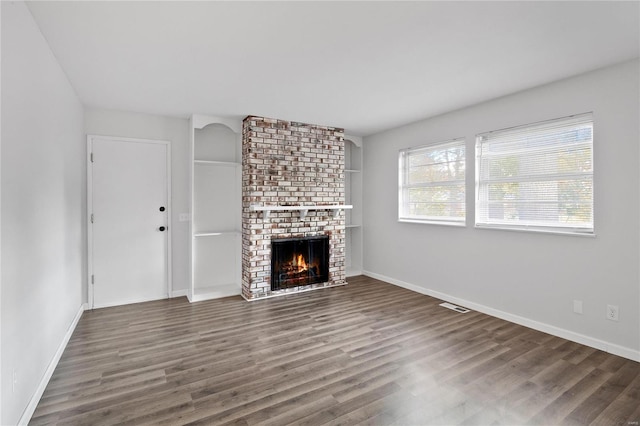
[537, 177]
[432, 183]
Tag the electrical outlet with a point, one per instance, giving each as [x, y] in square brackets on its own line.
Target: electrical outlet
[14, 381]
[577, 306]
[612, 312]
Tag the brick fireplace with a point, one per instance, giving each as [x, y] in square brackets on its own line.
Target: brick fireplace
[287, 163]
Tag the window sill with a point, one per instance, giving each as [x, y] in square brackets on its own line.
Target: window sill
[536, 230]
[433, 222]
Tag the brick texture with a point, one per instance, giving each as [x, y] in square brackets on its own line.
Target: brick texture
[286, 163]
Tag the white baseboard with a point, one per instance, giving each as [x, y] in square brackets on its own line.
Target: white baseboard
[33, 402]
[612, 348]
[179, 293]
[129, 302]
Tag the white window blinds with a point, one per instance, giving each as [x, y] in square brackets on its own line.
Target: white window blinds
[537, 177]
[432, 183]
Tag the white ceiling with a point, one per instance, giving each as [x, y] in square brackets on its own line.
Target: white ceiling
[364, 66]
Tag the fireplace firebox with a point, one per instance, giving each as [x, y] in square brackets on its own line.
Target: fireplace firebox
[299, 261]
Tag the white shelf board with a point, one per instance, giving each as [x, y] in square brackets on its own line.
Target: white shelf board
[351, 171]
[266, 210]
[215, 233]
[215, 292]
[352, 226]
[217, 163]
[285, 208]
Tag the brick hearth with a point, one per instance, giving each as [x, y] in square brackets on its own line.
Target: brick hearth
[289, 164]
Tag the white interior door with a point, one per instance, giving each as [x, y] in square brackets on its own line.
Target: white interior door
[128, 199]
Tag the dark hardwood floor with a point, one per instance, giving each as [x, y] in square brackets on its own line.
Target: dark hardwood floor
[365, 353]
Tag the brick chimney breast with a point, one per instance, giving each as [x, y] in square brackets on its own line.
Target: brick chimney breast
[287, 163]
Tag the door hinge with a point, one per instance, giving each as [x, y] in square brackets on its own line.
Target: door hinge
[91, 217]
[92, 279]
[92, 157]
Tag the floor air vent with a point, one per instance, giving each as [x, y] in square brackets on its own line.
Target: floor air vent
[455, 308]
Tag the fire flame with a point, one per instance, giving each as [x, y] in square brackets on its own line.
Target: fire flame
[298, 261]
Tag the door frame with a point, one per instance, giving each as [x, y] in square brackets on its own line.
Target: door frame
[90, 139]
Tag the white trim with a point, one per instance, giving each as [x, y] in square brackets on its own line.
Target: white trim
[191, 270]
[180, 293]
[129, 302]
[356, 140]
[35, 398]
[88, 224]
[169, 223]
[540, 230]
[441, 144]
[199, 121]
[577, 118]
[460, 224]
[1, 379]
[602, 345]
[169, 272]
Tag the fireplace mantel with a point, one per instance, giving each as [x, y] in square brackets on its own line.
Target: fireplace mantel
[266, 210]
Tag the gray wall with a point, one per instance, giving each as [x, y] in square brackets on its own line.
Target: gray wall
[43, 208]
[176, 130]
[531, 276]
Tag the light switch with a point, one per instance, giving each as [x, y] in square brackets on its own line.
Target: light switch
[184, 217]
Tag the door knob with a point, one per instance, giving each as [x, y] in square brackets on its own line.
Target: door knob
[162, 208]
[161, 229]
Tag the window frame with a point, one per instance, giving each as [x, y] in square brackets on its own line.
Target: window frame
[566, 229]
[403, 185]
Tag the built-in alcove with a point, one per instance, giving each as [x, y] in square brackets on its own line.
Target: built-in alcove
[216, 208]
[353, 198]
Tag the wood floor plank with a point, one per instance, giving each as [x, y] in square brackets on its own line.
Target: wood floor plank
[621, 410]
[366, 353]
[562, 406]
[605, 395]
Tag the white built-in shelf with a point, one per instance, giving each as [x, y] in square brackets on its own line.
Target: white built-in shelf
[217, 163]
[216, 207]
[215, 234]
[353, 171]
[266, 210]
